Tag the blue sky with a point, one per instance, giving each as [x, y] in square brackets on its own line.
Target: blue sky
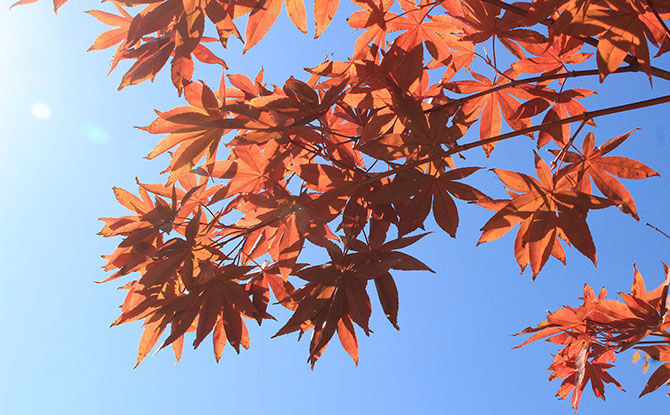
[453, 353]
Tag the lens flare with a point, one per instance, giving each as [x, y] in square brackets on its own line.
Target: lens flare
[94, 133]
[40, 111]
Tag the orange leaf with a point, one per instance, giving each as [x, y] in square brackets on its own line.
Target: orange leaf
[324, 11]
[657, 379]
[260, 21]
[297, 14]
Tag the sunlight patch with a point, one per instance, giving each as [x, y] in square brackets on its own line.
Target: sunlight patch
[94, 133]
[40, 111]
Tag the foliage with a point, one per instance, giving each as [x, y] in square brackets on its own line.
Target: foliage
[355, 159]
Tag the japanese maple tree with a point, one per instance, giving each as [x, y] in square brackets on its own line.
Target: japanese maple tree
[354, 158]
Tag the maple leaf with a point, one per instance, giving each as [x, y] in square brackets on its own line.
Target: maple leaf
[153, 18]
[561, 105]
[281, 114]
[583, 370]
[582, 359]
[247, 170]
[546, 209]
[592, 164]
[623, 27]
[150, 57]
[284, 222]
[429, 192]
[378, 256]
[259, 286]
[327, 179]
[373, 19]
[487, 107]
[566, 319]
[112, 37]
[597, 329]
[334, 297]
[419, 27]
[623, 33]
[221, 298]
[216, 303]
[260, 20]
[565, 104]
[482, 23]
[178, 26]
[141, 231]
[562, 50]
[195, 130]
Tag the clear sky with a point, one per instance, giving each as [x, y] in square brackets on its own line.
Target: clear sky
[67, 137]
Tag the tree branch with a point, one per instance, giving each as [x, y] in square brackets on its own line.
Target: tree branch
[457, 149]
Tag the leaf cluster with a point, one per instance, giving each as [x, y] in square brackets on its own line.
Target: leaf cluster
[356, 158]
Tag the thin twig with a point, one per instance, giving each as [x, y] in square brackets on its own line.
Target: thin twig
[564, 150]
[657, 230]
